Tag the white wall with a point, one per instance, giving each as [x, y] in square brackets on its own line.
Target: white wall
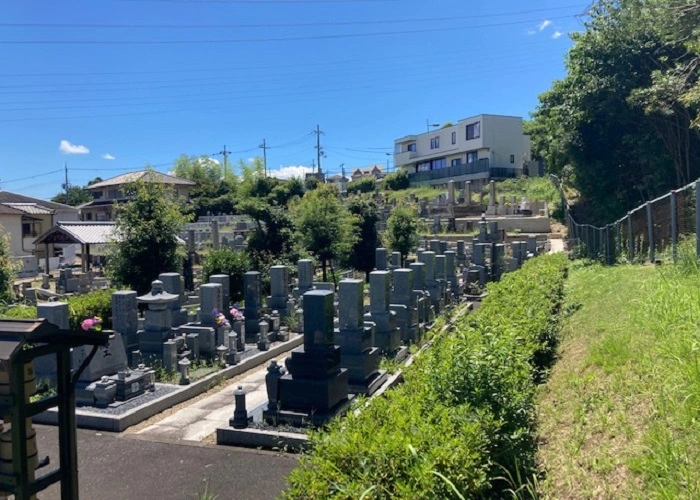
[12, 225]
[504, 135]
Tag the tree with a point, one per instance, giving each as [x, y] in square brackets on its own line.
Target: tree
[146, 242]
[324, 226]
[363, 185]
[362, 255]
[230, 262]
[397, 181]
[273, 236]
[214, 189]
[7, 269]
[74, 196]
[402, 230]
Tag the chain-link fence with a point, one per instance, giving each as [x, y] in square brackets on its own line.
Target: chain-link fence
[645, 233]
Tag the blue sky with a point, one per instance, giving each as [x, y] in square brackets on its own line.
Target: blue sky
[111, 86]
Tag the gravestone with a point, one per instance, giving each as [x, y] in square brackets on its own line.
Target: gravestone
[497, 261]
[395, 260]
[305, 280]
[125, 318]
[279, 290]
[252, 296]
[441, 277]
[468, 192]
[215, 239]
[172, 283]
[532, 245]
[158, 322]
[381, 259]
[403, 294]
[56, 313]
[461, 253]
[386, 333]
[315, 389]
[225, 281]
[357, 354]
[451, 273]
[451, 192]
[432, 286]
[211, 302]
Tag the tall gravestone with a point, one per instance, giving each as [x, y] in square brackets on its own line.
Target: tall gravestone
[252, 296]
[172, 283]
[355, 341]
[215, 238]
[381, 259]
[125, 319]
[315, 388]
[386, 334]
[432, 285]
[279, 290]
[422, 296]
[305, 283]
[451, 273]
[403, 294]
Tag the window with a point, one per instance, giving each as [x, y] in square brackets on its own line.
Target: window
[435, 142]
[411, 147]
[472, 157]
[512, 158]
[456, 162]
[438, 164]
[474, 131]
[89, 216]
[454, 137]
[423, 167]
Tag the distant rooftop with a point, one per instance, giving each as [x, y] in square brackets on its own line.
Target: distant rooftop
[142, 174]
[8, 197]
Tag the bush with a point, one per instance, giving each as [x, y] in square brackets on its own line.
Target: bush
[363, 185]
[397, 181]
[19, 311]
[91, 304]
[227, 261]
[464, 413]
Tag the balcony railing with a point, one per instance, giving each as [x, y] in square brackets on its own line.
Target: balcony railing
[505, 172]
[404, 157]
[449, 172]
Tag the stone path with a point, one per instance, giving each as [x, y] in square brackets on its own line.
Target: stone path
[201, 419]
[556, 245]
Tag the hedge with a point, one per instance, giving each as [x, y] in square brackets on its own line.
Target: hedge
[464, 418]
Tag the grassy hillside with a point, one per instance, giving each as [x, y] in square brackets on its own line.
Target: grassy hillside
[619, 416]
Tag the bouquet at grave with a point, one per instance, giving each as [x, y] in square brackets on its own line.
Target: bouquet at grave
[219, 318]
[235, 313]
[94, 324]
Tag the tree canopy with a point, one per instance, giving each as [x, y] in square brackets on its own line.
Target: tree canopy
[146, 241]
[362, 254]
[619, 127]
[402, 230]
[324, 225]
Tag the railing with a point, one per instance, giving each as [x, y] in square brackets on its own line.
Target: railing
[506, 172]
[645, 232]
[450, 172]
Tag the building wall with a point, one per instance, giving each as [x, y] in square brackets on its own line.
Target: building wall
[12, 225]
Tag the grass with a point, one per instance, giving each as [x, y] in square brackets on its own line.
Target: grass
[619, 415]
[421, 192]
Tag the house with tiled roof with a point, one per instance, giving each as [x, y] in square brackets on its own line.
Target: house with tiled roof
[106, 194]
[23, 218]
[376, 171]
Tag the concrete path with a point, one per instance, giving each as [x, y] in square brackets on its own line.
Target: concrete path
[124, 467]
[201, 419]
[556, 245]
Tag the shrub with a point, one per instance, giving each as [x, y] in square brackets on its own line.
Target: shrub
[363, 185]
[397, 181]
[98, 303]
[19, 311]
[464, 413]
[227, 261]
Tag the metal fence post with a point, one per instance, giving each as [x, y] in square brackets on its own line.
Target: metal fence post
[618, 242]
[650, 232]
[630, 237]
[697, 218]
[674, 226]
[606, 235]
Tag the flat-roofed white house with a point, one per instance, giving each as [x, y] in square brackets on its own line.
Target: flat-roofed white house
[476, 149]
[110, 192]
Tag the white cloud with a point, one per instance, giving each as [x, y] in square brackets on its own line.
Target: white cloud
[531, 32]
[72, 149]
[557, 34]
[289, 172]
[108, 156]
[544, 24]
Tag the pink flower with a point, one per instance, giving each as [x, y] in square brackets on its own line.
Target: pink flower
[93, 323]
[236, 314]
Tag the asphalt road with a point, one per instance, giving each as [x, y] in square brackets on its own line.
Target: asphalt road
[113, 466]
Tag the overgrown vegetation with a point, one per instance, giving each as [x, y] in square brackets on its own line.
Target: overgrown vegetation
[7, 274]
[402, 230]
[619, 414]
[397, 181]
[464, 413]
[230, 262]
[362, 185]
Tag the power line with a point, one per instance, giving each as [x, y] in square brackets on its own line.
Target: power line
[430, 56]
[281, 25]
[278, 39]
[289, 2]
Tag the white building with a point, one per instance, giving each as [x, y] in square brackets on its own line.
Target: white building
[477, 149]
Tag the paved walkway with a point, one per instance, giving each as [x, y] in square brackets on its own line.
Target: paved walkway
[556, 245]
[124, 467]
[201, 419]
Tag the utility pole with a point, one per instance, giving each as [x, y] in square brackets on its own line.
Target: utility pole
[319, 149]
[264, 147]
[65, 168]
[225, 154]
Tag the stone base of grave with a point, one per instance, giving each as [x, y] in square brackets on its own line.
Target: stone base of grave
[371, 384]
[360, 365]
[316, 418]
[252, 328]
[398, 354]
[388, 341]
[309, 395]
